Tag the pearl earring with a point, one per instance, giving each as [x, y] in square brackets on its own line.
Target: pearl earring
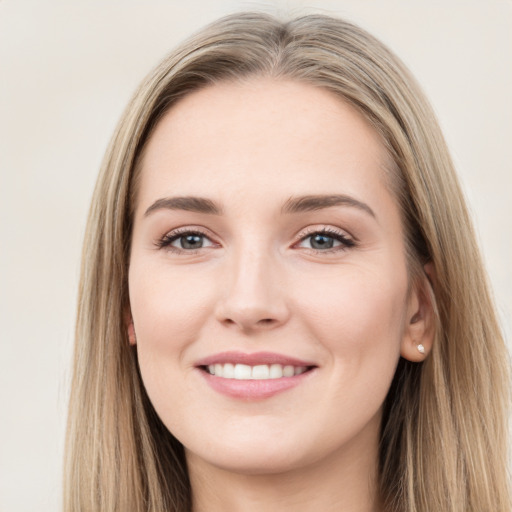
[421, 349]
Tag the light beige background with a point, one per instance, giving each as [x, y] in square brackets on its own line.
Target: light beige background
[67, 69]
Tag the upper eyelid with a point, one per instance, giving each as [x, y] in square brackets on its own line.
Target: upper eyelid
[182, 230]
[304, 232]
[323, 228]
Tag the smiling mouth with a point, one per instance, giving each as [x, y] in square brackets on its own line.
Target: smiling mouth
[255, 376]
[256, 372]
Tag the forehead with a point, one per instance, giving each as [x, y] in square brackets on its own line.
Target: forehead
[262, 136]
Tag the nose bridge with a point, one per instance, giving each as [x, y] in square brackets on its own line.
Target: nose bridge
[252, 275]
[253, 295]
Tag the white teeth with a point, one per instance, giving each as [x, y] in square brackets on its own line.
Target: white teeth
[288, 371]
[242, 372]
[228, 371]
[258, 372]
[276, 371]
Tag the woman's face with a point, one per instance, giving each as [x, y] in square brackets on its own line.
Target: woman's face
[268, 280]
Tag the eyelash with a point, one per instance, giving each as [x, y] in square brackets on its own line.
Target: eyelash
[345, 241]
[166, 241]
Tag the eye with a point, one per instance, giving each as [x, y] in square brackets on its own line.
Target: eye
[326, 240]
[185, 240]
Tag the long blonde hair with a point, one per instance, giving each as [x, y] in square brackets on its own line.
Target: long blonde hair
[444, 428]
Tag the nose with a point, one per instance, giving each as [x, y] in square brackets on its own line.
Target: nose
[253, 297]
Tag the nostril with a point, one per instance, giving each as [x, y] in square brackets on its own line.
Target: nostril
[266, 322]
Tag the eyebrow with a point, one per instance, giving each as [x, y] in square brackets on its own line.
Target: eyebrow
[292, 205]
[319, 202]
[190, 204]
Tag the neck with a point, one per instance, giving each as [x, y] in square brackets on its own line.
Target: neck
[344, 481]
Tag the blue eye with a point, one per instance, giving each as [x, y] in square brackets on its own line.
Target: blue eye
[320, 241]
[191, 241]
[186, 241]
[326, 240]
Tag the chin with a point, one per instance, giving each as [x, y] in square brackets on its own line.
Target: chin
[251, 461]
[257, 451]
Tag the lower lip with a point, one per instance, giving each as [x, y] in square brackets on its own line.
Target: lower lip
[253, 389]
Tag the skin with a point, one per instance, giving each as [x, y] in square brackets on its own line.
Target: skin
[259, 284]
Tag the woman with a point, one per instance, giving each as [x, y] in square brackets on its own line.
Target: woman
[282, 302]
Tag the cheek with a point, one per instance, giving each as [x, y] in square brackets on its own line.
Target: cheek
[359, 316]
[167, 307]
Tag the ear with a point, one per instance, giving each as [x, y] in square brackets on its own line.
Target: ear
[130, 329]
[420, 322]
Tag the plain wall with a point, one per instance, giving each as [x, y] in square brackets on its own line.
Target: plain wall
[67, 69]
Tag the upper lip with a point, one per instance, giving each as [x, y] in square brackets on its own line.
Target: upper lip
[256, 358]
